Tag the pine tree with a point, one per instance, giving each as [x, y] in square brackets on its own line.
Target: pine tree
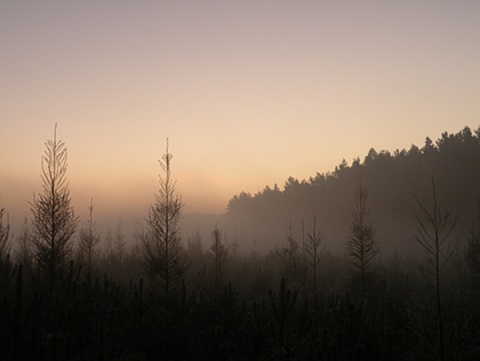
[472, 253]
[5, 244]
[433, 232]
[219, 253]
[164, 256]
[361, 243]
[120, 244]
[314, 248]
[54, 221]
[23, 254]
[89, 239]
[290, 258]
[5, 241]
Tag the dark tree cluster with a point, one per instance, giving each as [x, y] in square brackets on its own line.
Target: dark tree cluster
[80, 296]
[392, 181]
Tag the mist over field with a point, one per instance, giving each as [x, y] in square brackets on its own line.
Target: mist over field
[393, 180]
[239, 180]
[262, 220]
[353, 243]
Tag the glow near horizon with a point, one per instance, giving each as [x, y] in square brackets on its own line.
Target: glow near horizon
[249, 93]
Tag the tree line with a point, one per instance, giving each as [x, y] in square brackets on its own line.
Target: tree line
[393, 179]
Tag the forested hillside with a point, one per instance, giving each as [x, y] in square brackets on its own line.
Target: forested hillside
[392, 179]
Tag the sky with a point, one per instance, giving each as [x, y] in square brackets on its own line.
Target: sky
[247, 92]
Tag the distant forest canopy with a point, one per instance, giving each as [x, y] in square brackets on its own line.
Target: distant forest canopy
[392, 180]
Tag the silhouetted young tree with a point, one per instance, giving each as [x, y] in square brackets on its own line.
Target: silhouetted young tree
[164, 260]
[314, 248]
[197, 269]
[54, 221]
[473, 248]
[361, 243]
[5, 244]
[5, 241]
[108, 246]
[120, 245]
[89, 239]
[219, 254]
[282, 308]
[289, 256]
[433, 231]
[194, 243]
[23, 254]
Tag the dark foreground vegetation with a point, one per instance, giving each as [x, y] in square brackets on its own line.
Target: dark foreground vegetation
[64, 295]
[256, 316]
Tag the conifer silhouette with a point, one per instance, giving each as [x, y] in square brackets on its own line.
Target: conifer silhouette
[54, 221]
[164, 260]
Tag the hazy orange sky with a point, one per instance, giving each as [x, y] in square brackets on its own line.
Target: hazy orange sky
[248, 92]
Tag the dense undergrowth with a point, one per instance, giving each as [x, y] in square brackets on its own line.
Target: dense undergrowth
[257, 315]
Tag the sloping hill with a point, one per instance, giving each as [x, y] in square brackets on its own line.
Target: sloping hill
[392, 180]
